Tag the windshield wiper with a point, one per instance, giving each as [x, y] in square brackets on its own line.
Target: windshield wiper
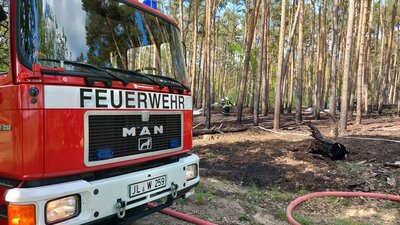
[88, 66]
[159, 84]
[174, 81]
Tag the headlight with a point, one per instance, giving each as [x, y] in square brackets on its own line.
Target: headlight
[62, 209]
[191, 172]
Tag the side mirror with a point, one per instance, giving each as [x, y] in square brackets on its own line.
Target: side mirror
[3, 14]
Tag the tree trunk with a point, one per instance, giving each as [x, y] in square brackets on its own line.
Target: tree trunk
[361, 60]
[194, 56]
[278, 87]
[354, 69]
[265, 104]
[213, 34]
[396, 70]
[291, 84]
[382, 58]
[200, 96]
[321, 62]
[347, 64]
[260, 67]
[282, 67]
[311, 72]
[246, 61]
[207, 64]
[334, 65]
[181, 19]
[368, 60]
[300, 63]
[388, 58]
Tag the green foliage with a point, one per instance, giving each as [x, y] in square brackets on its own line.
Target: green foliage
[278, 195]
[235, 48]
[351, 168]
[182, 201]
[339, 201]
[254, 194]
[203, 194]
[348, 222]
[392, 205]
[244, 218]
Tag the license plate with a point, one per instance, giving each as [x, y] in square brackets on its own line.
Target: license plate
[147, 186]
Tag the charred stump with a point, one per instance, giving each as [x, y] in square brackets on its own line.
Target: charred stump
[326, 147]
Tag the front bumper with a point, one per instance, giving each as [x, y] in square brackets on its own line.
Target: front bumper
[99, 199]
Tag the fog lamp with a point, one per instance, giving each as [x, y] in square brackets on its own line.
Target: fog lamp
[62, 209]
[191, 172]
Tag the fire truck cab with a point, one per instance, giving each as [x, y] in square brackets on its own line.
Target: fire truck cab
[95, 113]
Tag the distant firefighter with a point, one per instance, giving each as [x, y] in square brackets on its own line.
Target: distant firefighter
[226, 106]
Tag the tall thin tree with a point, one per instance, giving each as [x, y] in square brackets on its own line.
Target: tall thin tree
[347, 64]
[207, 63]
[335, 58]
[246, 62]
[277, 113]
[282, 68]
[194, 55]
[300, 63]
[265, 104]
[361, 60]
[388, 58]
[261, 56]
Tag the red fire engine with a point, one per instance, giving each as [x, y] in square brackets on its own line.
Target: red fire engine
[95, 115]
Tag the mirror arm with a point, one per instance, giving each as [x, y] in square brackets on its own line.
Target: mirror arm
[185, 53]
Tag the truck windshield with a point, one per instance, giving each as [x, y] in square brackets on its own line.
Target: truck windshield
[103, 33]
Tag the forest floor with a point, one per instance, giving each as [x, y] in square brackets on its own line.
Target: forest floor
[250, 177]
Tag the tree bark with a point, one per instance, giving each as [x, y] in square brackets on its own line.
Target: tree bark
[361, 60]
[311, 72]
[347, 64]
[278, 87]
[246, 61]
[368, 60]
[334, 64]
[354, 69]
[194, 56]
[396, 70]
[321, 63]
[382, 58]
[291, 82]
[388, 58]
[300, 64]
[265, 105]
[260, 67]
[181, 18]
[282, 67]
[207, 63]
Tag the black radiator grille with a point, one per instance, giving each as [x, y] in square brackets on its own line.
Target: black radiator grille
[107, 141]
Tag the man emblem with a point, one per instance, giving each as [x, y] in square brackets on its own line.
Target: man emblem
[145, 144]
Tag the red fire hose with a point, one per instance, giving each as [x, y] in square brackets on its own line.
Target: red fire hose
[289, 209]
[301, 199]
[182, 216]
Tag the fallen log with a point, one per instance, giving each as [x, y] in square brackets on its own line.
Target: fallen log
[326, 147]
[396, 164]
[218, 131]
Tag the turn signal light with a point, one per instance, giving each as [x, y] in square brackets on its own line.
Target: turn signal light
[21, 215]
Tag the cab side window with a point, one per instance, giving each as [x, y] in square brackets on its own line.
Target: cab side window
[4, 37]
